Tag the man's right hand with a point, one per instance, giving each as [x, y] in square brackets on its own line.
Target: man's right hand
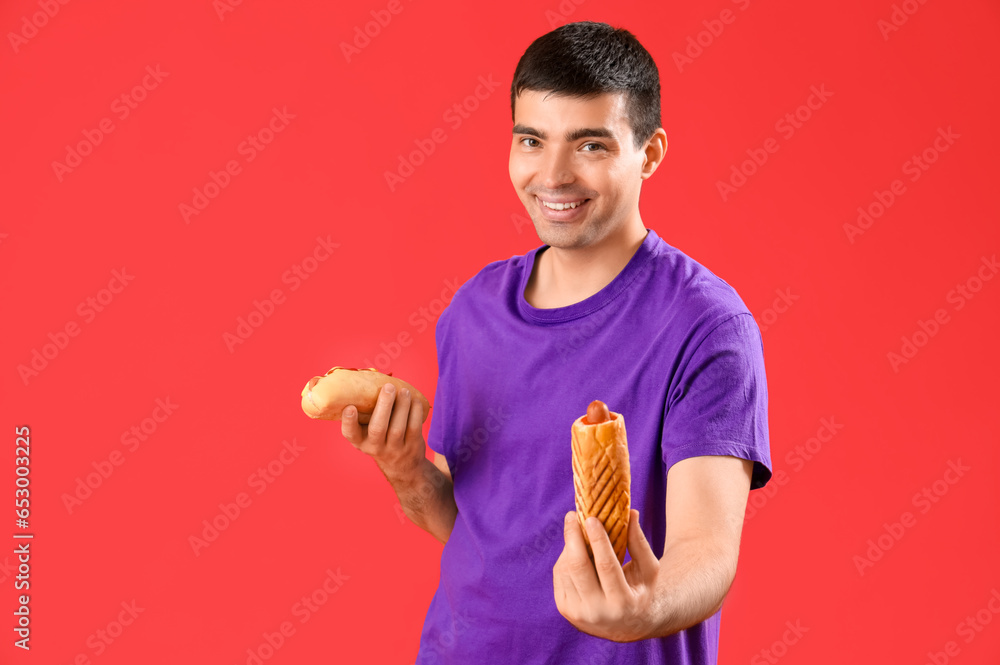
[393, 436]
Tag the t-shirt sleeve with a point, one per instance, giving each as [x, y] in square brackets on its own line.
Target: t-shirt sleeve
[717, 402]
[441, 404]
[435, 432]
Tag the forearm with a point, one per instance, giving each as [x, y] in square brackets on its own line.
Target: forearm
[427, 497]
[690, 587]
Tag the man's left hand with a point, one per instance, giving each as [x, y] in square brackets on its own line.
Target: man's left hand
[603, 598]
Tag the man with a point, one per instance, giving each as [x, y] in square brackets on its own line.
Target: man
[604, 309]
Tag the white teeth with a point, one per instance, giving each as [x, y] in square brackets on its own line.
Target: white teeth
[561, 206]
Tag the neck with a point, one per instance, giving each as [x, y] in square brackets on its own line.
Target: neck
[565, 276]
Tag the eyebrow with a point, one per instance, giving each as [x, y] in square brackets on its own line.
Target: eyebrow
[576, 134]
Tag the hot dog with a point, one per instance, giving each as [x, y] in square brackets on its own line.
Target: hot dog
[325, 397]
[601, 475]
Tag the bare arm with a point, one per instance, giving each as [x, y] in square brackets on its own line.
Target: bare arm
[394, 439]
[650, 596]
[706, 500]
[441, 462]
[428, 499]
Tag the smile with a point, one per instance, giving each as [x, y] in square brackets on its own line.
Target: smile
[563, 206]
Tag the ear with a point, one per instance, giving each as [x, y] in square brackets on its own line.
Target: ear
[656, 148]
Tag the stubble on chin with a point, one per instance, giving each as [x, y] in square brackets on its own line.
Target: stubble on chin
[562, 238]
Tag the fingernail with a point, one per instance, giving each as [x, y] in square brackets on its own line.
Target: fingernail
[348, 412]
[389, 389]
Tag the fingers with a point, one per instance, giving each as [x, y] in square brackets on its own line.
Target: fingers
[399, 418]
[396, 419]
[609, 571]
[415, 426]
[378, 422]
[349, 426]
[576, 567]
[563, 587]
[378, 426]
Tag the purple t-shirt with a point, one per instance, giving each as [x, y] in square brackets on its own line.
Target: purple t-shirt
[667, 344]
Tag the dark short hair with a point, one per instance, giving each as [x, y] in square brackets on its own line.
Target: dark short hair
[587, 59]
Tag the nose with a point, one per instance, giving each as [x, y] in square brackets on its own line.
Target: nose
[557, 169]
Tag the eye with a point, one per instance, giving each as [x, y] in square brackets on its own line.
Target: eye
[528, 138]
[596, 145]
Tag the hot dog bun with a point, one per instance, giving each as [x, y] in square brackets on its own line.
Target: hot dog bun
[325, 397]
[601, 475]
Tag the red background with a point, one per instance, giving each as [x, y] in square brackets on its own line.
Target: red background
[324, 176]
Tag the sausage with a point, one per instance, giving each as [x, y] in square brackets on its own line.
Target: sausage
[597, 412]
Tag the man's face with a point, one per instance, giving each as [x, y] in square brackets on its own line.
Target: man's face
[567, 150]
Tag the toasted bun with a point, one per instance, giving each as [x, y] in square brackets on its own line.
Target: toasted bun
[602, 478]
[325, 397]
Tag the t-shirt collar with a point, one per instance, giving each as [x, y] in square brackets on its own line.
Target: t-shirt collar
[587, 306]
